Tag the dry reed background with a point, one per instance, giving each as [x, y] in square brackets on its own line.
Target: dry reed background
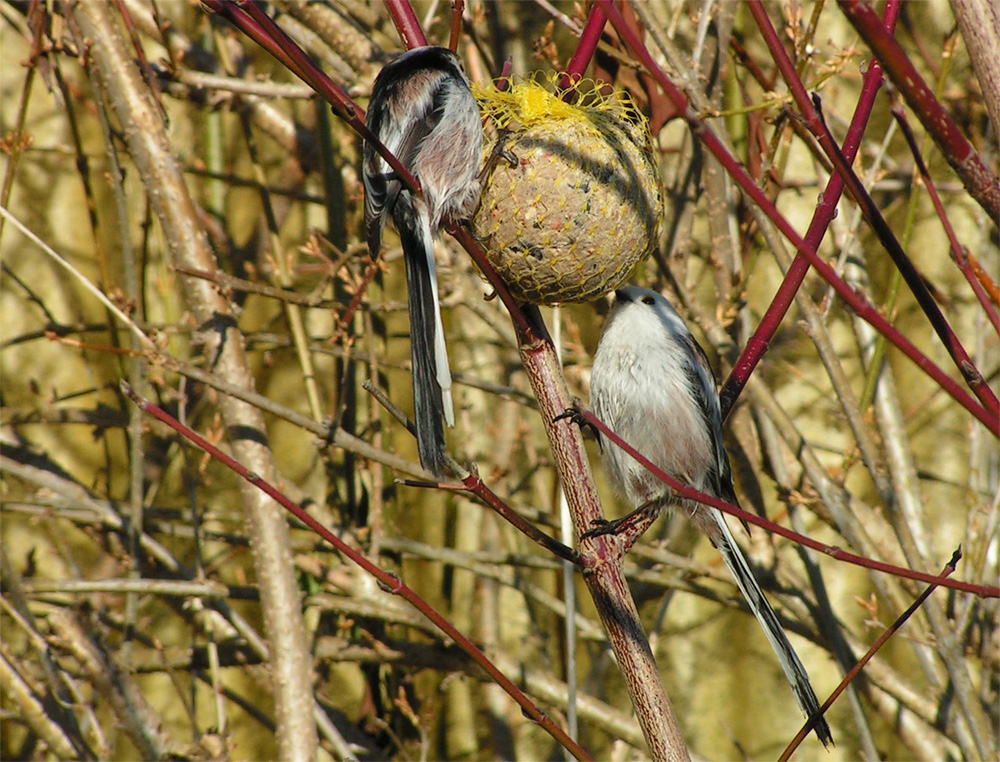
[131, 612]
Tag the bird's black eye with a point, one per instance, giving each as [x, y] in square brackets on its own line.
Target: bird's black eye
[648, 300]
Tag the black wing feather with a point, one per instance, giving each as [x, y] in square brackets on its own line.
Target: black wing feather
[700, 372]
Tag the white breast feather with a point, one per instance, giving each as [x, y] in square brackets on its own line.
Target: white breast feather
[655, 406]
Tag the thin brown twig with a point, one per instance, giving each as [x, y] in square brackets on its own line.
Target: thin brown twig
[861, 306]
[982, 184]
[891, 630]
[690, 493]
[473, 484]
[389, 581]
[958, 252]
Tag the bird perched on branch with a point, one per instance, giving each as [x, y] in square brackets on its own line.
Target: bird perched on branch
[652, 385]
[423, 111]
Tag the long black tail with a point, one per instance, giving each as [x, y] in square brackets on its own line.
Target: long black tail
[431, 375]
[789, 660]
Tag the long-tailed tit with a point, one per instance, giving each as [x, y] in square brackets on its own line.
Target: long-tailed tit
[423, 111]
[652, 385]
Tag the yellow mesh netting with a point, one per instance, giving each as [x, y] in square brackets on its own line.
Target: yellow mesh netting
[581, 206]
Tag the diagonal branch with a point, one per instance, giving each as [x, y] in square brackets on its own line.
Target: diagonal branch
[822, 217]
[982, 184]
[690, 493]
[145, 137]
[861, 306]
[809, 108]
[389, 582]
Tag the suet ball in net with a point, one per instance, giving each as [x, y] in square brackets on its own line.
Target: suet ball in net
[576, 205]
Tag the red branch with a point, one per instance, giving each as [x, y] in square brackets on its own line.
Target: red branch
[457, 9]
[406, 23]
[977, 178]
[824, 214]
[918, 287]
[856, 669]
[589, 39]
[388, 581]
[688, 492]
[263, 30]
[861, 306]
[958, 252]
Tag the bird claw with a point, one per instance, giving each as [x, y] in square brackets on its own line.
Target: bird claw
[599, 528]
[628, 528]
[575, 414]
[499, 153]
